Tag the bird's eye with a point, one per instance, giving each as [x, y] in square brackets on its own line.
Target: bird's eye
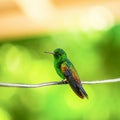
[58, 53]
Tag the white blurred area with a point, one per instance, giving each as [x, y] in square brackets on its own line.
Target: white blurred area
[26, 17]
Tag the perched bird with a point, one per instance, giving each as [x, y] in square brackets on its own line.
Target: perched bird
[66, 70]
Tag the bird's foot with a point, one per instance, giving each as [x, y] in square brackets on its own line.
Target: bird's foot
[64, 81]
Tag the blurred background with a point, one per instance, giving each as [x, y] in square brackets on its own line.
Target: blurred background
[89, 31]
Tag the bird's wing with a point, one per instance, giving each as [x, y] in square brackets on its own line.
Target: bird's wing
[73, 79]
[69, 67]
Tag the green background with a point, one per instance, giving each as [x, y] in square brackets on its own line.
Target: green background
[96, 56]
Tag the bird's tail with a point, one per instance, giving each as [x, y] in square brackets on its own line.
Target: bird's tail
[83, 92]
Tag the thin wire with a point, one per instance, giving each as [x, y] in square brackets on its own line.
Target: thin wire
[22, 85]
[63, 82]
[102, 81]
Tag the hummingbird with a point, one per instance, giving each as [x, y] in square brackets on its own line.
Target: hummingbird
[66, 70]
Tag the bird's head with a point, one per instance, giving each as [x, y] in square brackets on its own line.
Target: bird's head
[59, 54]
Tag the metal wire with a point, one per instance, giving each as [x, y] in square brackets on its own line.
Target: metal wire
[63, 82]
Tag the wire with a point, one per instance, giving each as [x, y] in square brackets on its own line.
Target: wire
[63, 82]
[22, 85]
[102, 81]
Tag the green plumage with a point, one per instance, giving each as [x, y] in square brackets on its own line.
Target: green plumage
[66, 70]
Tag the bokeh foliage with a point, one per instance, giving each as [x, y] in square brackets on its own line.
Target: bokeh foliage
[95, 54]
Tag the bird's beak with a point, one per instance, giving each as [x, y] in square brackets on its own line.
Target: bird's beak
[50, 53]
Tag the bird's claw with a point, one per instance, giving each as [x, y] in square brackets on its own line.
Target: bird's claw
[64, 81]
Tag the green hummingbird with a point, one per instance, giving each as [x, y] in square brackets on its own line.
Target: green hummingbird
[66, 70]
